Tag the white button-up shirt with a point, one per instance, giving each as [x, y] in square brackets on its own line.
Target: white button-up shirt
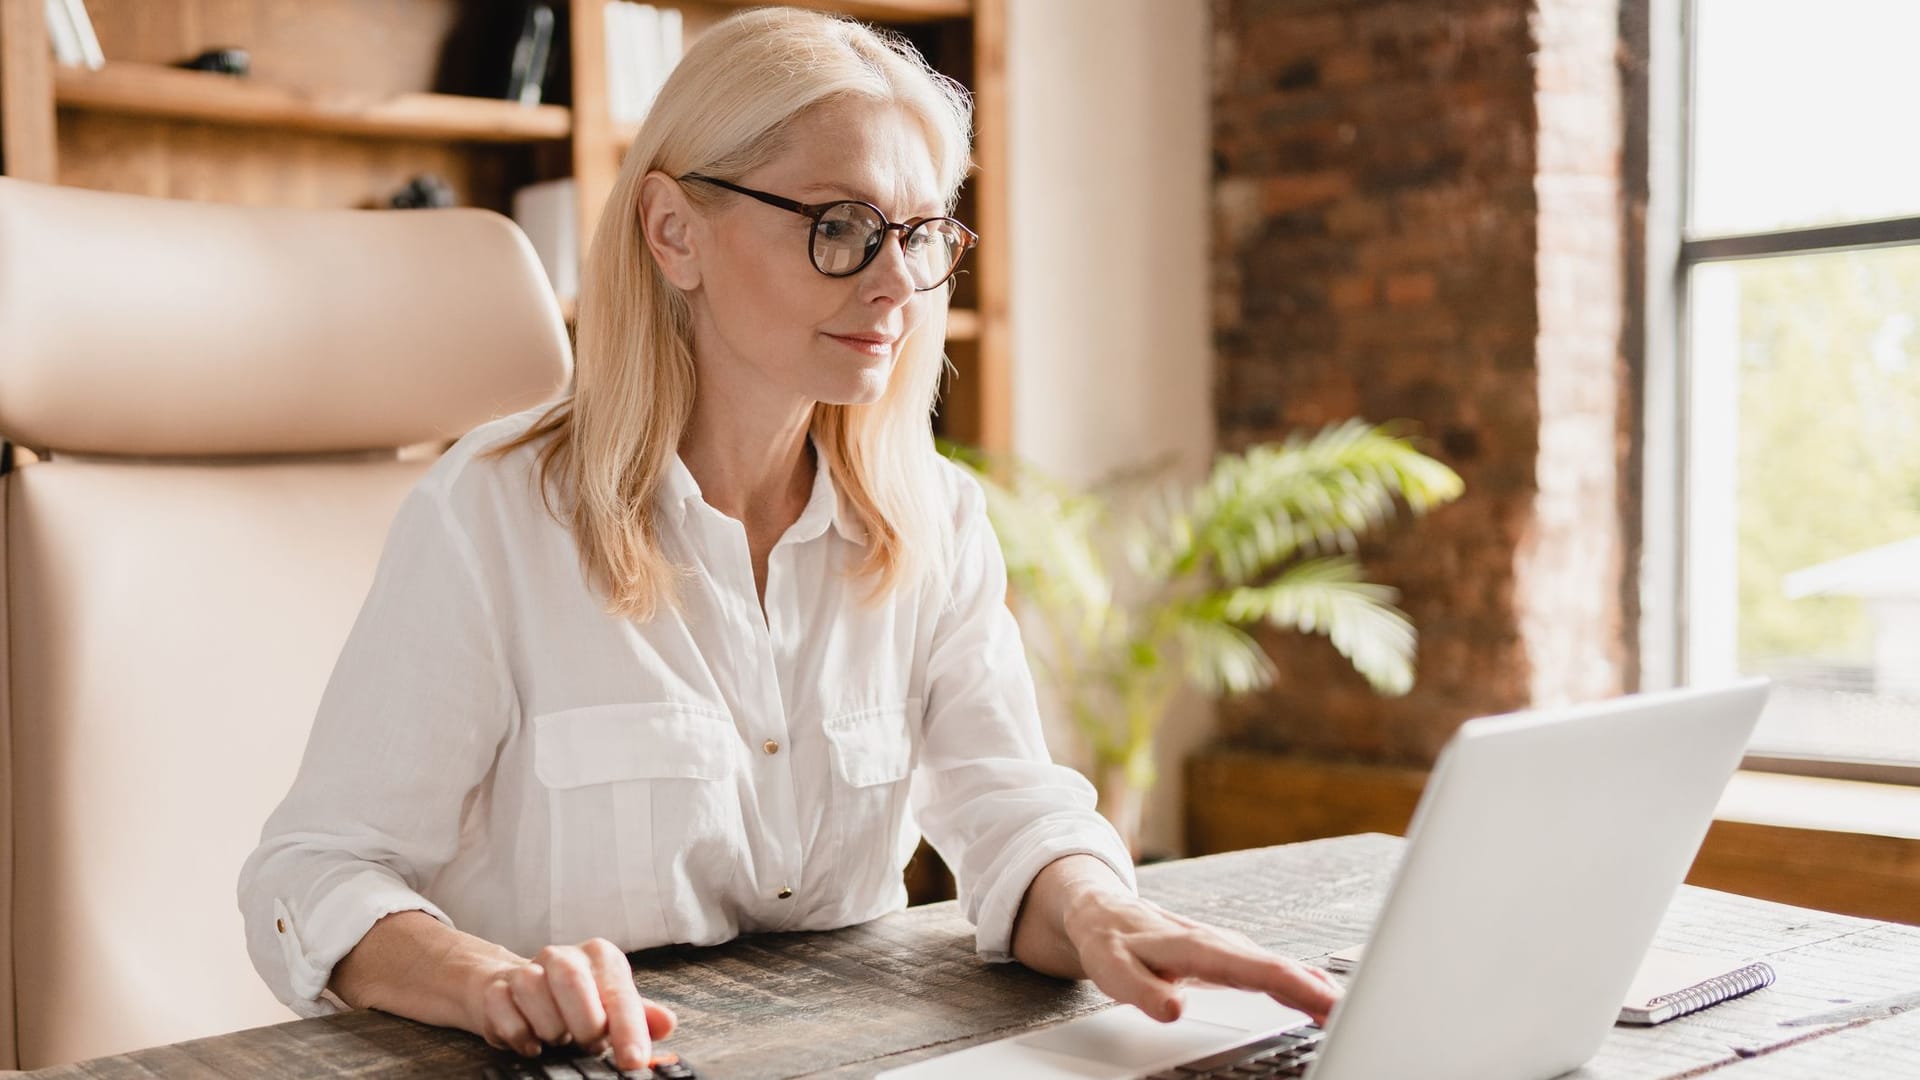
[496, 750]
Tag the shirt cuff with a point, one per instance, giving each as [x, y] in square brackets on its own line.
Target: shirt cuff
[1050, 838]
[332, 927]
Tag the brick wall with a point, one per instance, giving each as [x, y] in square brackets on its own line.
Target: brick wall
[1418, 215]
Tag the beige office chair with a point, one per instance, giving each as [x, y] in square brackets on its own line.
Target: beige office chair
[218, 395]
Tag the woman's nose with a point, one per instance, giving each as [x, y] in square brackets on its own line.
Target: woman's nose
[890, 264]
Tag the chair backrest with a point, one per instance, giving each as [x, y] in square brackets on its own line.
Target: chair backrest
[219, 397]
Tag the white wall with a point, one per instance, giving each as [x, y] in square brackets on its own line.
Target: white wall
[1112, 355]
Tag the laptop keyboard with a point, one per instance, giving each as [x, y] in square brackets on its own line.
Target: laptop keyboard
[1286, 1054]
[548, 1067]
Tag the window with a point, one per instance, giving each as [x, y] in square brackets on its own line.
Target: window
[1797, 397]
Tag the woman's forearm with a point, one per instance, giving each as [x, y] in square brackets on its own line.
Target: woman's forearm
[413, 965]
[1040, 939]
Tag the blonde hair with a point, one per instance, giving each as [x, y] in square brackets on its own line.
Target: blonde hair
[726, 109]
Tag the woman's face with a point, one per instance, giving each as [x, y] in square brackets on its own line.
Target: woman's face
[763, 312]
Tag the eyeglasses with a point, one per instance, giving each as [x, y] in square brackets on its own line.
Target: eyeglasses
[847, 235]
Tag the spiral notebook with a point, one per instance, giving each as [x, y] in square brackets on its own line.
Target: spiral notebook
[1671, 984]
[1668, 984]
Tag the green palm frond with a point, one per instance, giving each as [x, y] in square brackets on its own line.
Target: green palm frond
[1220, 657]
[1046, 534]
[1263, 539]
[1311, 493]
[1328, 596]
[1047, 538]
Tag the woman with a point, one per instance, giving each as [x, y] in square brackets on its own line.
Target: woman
[691, 653]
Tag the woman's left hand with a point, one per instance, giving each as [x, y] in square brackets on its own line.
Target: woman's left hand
[1078, 920]
[1140, 953]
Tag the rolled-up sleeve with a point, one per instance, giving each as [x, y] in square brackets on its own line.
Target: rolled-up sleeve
[986, 794]
[408, 725]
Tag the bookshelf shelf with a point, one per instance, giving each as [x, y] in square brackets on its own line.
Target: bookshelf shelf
[963, 324]
[137, 89]
[897, 11]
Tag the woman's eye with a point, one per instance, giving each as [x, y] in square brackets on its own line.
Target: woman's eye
[834, 230]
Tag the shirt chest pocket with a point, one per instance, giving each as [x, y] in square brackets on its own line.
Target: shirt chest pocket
[644, 817]
[871, 750]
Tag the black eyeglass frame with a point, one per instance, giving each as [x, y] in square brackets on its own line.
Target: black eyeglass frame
[815, 211]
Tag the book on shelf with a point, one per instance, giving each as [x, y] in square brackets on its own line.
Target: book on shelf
[504, 49]
[71, 31]
[644, 42]
[66, 43]
[619, 69]
[532, 55]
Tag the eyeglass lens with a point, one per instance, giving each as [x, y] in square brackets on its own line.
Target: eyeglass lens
[847, 235]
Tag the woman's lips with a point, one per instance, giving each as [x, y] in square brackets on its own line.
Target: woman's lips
[869, 345]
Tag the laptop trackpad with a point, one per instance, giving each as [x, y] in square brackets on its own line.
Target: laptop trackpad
[1213, 1020]
[1120, 1041]
[1124, 1035]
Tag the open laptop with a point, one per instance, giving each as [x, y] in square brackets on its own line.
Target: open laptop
[1544, 853]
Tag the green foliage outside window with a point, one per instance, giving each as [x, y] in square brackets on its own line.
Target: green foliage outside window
[1829, 443]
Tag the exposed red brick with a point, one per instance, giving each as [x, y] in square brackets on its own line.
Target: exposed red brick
[1404, 290]
[1351, 291]
[1419, 217]
[1283, 194]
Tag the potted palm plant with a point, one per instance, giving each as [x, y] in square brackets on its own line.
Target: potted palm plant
[1267, 537]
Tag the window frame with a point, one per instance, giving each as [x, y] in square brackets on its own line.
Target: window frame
[1672, 254]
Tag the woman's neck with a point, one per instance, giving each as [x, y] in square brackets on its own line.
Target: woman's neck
[759, 477]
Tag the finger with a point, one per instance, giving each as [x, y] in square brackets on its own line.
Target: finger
[570, 980]
[627, 1026]
[1125, 979]
[1205, 957]
[534, 999]
[504, 1018]
[660, 1020]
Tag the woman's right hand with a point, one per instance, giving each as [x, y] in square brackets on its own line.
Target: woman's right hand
[580, 995]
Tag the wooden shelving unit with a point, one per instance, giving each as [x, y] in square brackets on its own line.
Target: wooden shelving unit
[894, 11]
[346, 103]
[134, 89]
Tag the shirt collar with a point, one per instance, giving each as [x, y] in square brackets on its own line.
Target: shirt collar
[678, 490]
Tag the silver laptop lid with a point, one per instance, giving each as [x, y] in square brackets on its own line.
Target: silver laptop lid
[1544, 853]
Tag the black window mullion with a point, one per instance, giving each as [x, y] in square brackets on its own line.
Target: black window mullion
[1854, 236]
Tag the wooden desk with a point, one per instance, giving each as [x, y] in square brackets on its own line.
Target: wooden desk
[848, 1003]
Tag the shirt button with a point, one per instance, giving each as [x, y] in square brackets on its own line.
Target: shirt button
[784, 893]
[770, 746]
[280, 925]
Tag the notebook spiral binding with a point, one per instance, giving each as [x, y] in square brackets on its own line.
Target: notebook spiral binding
[1715, 990]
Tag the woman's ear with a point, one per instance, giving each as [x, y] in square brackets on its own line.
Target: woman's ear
[669, 225]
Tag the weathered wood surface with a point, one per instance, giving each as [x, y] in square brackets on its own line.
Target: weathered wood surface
[849, 1003]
